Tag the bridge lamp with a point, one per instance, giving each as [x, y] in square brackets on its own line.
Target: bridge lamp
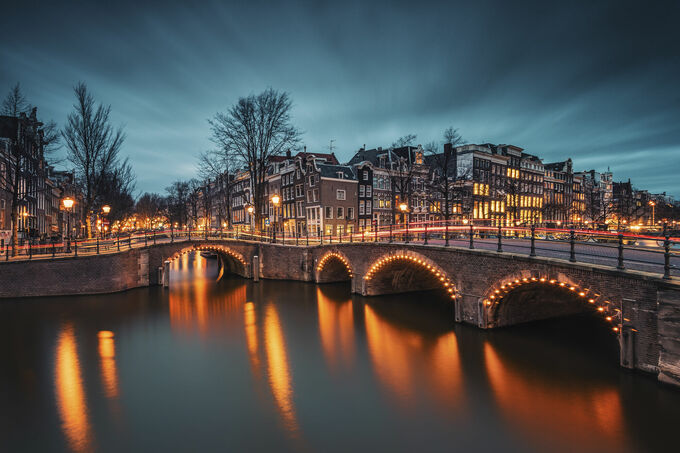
[276, 199]
[403, 207]
[249, 209]
[67, 202]
[106, 209]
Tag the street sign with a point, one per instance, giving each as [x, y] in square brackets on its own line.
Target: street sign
[266, 222]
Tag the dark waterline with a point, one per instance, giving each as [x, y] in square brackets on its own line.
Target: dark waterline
[288, 366]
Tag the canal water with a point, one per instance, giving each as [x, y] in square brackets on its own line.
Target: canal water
[288, 366]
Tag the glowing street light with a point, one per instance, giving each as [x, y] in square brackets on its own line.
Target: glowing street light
[106, 209]
[275, 201]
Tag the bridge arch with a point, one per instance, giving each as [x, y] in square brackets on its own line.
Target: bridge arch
[230, 260]
[521, 298]
[404, 271]
[334, 266]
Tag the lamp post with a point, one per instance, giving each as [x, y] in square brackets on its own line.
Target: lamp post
[275, 201]
[652, 203]
[68, 204]
[250, 210]
[105, 209]
[403, 207]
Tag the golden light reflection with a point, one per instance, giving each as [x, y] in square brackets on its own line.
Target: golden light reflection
[107, 359]
[250, 322]
[280, 379]
[70, 393]
[400, 356]
[336, 327]
[200, 306]
[547, 411]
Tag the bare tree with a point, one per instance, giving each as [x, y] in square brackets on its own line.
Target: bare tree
[443, 171]
[255, 129]
[401, 172]
[25, 154]
[15, 102]
[178, 202]
[219, 167]
[93, 147]
[149, 207]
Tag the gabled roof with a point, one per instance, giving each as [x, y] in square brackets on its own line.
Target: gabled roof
[332, 171]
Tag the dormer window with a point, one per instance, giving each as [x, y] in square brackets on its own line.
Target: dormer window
[340, 175]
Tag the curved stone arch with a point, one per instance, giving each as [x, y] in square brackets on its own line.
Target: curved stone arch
[332, 255]
[410, 256]
[492, 299]
[223, 252]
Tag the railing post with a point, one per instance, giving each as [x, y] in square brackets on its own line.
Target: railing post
[425, 242]
[76, 247]
[146, 239]
[118, 241]
[297, 237]
[7, 252]
[533, 241]
[472, 237]
[172, 235]
[53, 251]
[667, 258]
[500, 240]
[154, 237]
[446, 233]
[283, 236]
[30, 250]
[307, 236]
[572, 252]
[620, 265]
[97, 245]
[390, 233]
[351, 236]
[363, 232]
[376, 231]
[407, 235]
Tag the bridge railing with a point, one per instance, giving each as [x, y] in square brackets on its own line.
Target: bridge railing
[647, 252]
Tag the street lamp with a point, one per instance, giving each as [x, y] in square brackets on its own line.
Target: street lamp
[250, 210]
[105, 209]
[68, 204]
[275, 201]
[652, 204]
[403, 207]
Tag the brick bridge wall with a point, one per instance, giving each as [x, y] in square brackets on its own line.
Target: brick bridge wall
[487, 289]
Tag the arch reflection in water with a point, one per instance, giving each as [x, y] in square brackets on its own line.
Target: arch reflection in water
[336, 328]
[280, 378]
[402, 357]
[550, 414]
[107, 358]
[70, 392]
[198, 303]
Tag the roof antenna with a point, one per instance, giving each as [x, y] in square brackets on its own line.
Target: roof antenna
[331, 146]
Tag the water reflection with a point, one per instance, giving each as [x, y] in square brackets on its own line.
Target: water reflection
[549, 412]
[70, 393]
[107, 358]
[196, 303]
[336, 328]
[403, 358]
[280, 379]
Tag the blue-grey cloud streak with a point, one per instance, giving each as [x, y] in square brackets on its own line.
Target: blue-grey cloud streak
[596, 81]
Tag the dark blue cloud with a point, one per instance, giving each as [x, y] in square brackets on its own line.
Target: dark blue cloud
[595, 81]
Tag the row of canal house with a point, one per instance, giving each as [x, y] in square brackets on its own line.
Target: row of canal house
[490, 184]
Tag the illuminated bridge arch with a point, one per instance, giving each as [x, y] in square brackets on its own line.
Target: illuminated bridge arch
[231, 261]
[333, 266]
[521, 298]
[405, 271]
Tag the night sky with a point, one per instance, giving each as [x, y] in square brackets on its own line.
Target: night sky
[595, 81]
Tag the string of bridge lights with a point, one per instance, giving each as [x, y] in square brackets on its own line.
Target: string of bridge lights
[611, 314]
[331, 255]
[434, 270]
[225, 250]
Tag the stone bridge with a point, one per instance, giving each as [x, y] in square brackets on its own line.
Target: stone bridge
[486, 289]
